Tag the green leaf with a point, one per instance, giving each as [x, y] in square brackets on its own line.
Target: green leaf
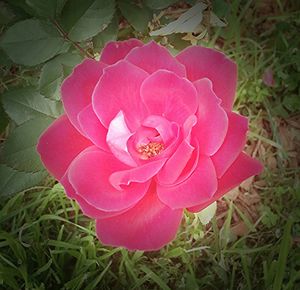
[53, 73]
[6, 14]
[108, 34]
[20, 5]
[23, 104]
[83, 19]
[220, 7]
[46, 8]
[19, 150]
[4, 59]
[269, 218]
[31, 42]
[207, 214]
[138, 17]
[292, 102]
[3, 119]
[187, 22]
[14, 181]
[159, 4]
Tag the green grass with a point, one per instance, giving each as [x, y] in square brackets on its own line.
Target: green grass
[46, 242]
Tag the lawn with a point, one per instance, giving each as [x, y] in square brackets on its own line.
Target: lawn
[253, 240]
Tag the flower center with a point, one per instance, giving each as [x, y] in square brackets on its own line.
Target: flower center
[150, 150]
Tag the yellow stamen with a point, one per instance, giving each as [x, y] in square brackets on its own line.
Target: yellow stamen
[150, 150]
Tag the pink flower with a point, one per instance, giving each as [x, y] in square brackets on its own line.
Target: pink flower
[146, 135]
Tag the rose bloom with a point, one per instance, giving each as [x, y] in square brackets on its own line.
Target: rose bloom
[146, 135]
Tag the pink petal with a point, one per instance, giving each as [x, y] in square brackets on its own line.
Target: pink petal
[190, 166]
[212, 124]
[92, 127]
[89, 175]
[139, 174]
[117, 137]
[59, 145]
[170, 96]
[148, 226]
[188, 125]
[162, 126]
[175, 164]
[117, 50]
[86, 208]
[233, 144]
[77, 89]
[152, 57]
[201, 62]
[198, 188]
[171, 147]
[242, 168]
[119, 90]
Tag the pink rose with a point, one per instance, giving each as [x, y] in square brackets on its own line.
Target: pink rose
[146, 135]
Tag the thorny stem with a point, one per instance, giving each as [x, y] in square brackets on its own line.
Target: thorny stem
[65, 36]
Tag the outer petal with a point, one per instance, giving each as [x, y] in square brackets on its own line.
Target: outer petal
[242, 168]
[168, 95]
[86, 208]
[59, 145]
[77, 89]
[201, 62]
[233, 144]
[148, 226]
[152, 57]
[198, 188]
[70, 191]
[89, 175]
[117, 50]
[212, 124]
[119, 90]
[92, 127]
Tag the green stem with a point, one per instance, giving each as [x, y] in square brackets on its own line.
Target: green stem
[65, 36]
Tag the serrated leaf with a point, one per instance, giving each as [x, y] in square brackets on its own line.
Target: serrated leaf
[53, 73]
[46, 8]
[51, 79]
[3, 119]
[19, 150]
[207, 214]
[138, 17]
[83, 19]
[6, 14]
[31, 42]
[159, 4]
[108, 34]
[20, 5]
[4, 59]
[13, 181]
[187, 22]
[23, 104]
[220, 7]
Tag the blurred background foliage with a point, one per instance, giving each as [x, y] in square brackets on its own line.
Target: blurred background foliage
[252, 242]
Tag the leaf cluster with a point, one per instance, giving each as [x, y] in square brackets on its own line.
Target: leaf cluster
[40, 43]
